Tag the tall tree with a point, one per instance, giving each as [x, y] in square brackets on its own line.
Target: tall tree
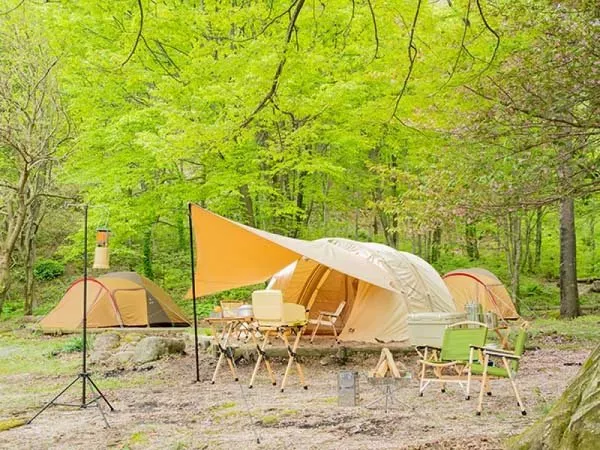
[33, 125]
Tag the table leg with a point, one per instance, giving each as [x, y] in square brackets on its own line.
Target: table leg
[261, 356]
[292, 357]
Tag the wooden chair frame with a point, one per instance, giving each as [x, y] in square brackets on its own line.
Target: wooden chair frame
[327, 318]
[431, 358]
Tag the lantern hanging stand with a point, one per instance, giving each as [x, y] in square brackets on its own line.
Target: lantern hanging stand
[84, 376]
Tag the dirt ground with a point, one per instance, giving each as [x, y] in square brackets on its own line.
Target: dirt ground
[162, 408]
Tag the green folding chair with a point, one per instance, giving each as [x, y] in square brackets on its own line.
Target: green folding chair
[449, 364]
[506, 365]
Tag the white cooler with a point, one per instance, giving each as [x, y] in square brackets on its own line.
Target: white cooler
[428, 328]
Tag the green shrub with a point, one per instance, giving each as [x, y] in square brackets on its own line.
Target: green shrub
[48, 269]
[75, 344]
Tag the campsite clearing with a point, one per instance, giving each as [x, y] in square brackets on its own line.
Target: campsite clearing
[159, 407]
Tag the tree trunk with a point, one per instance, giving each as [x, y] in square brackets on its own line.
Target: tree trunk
[147, 254]
[471, 244]
[513, 255]
[569, 296]
[527, 260]
[4, 278]
[572, 423]
[248, 204]
[539, 215]
[435, 245]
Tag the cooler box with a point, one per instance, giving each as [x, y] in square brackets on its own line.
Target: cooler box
[428, 328]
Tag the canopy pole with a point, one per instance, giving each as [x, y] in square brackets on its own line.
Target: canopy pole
[315, 293]
[194, 292]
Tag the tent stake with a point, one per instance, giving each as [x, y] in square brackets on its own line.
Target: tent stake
[194, 292]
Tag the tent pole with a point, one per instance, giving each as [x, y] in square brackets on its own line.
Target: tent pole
[194, 292]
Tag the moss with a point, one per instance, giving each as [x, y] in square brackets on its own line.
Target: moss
[573, 421]
[7, 424]
[269, 420]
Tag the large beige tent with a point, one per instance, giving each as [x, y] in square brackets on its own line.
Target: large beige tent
[380, 285]
[119, 299]
[481, 286]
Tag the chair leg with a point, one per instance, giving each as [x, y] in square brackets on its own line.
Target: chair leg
[422, 384]
[335, 334]
[486, 360]
[314, 333]
[514, 387]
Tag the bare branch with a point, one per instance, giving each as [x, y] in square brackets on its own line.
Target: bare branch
[412, 55]
[275, 83]
[375, 32]
[139, 34]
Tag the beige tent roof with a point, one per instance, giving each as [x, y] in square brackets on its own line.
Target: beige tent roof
[482, 286]
[115, 300]
[380, 285]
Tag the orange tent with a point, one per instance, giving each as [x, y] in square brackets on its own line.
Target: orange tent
[481, 286]
[119, 299]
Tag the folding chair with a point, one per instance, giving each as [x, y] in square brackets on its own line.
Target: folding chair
[508, 368]
[279, 319]
[453, 356]
[327, 318]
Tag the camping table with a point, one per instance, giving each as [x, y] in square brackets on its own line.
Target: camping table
[222, 337]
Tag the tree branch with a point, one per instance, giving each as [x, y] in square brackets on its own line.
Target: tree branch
[275, 83]
[412, 55]
[139, 34]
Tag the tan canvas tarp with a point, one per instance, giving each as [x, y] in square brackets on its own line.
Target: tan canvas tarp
[230, 255]
[115, 300]
[481, 286]
[379, 285]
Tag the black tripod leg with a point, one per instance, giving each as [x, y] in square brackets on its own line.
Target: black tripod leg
[99, 392]
[97, 402]
[51, 402]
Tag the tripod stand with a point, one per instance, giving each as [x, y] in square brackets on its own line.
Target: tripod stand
[84, 376]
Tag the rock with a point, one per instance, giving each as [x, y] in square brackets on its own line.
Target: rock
[324, 361]
[153, 348]
[204, 342]
[100, 356]
[106, 341]
[596, 286]
[123, 357]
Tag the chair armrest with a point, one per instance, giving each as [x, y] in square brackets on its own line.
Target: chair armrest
[432, 347]
[478, 347]
[501, 354]
[330, 314]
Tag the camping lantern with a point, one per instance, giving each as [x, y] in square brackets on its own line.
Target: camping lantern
[101, 256]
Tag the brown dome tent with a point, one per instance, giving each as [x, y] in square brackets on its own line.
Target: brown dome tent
[481, 286]
[119, 299]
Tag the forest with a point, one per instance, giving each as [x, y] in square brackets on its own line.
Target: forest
[465, 131]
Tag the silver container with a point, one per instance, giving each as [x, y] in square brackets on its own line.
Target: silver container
[474, 311]
[491, 319]
[245, 311]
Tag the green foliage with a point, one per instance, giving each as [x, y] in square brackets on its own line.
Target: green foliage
[334, 152]
[48, 269]
[74, 344]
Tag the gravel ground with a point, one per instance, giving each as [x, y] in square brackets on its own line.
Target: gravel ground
[161, 408]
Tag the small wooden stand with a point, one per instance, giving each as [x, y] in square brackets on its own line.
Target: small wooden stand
[386, 364]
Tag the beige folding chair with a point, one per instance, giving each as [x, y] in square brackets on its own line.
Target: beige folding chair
[327, 318]
[279, 319]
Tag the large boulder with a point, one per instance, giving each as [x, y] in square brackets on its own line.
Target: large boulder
[574, 421]
[106, 342]
[153, 348]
